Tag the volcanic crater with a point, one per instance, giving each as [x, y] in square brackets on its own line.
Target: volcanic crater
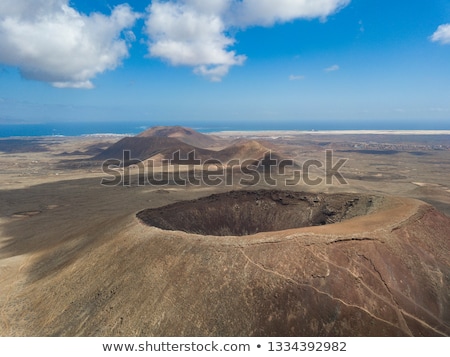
[241, 213]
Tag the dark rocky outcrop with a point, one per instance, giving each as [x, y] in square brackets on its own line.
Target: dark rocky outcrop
[248, 212]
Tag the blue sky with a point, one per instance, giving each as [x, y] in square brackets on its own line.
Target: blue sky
[218, 61]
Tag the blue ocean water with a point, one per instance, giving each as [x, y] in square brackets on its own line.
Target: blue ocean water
[133, 128]
[70, 129]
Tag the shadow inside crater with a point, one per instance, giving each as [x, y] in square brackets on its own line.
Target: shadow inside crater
[240, 213]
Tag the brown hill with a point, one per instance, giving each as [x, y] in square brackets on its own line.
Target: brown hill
[159, 148]
[143, 148]
[185, 135]
[247, 150]
[386, 273]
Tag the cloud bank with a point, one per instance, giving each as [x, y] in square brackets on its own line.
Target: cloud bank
[268, 12]
[192, 33]
[50, 41]
[442, 34]
[196, 33]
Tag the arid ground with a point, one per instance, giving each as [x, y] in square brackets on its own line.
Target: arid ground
[372, 260]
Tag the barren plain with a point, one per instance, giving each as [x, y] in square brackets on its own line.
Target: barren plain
[75, 260]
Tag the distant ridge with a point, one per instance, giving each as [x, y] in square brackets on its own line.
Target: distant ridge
[164, 142]
[183, 134]
[144, 148]
[244, 150]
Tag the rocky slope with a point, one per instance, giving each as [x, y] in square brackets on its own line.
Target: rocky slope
[382, 274]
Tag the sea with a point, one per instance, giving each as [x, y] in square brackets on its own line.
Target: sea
[133, 128]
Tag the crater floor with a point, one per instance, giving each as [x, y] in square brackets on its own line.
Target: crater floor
[240, 213]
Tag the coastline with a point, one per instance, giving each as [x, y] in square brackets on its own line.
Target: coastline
[266, 133]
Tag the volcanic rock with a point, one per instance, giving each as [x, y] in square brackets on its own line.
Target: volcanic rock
[248, 212]
[383, 269]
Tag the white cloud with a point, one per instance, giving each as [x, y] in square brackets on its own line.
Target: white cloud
[332, 68]
[442, 34]
[215, 73]
[52, 42]
[196, 32]
[268, 12]
[293, 77]
[192, 33]
[209, 6]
